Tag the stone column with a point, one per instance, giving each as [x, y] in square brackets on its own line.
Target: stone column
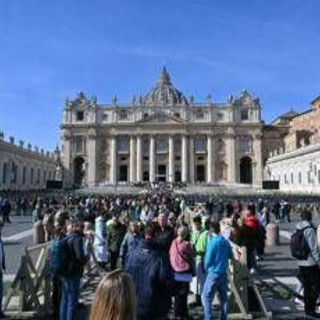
[132, 159]
[209, 158]
[257, 166]
[66, 158]
[184, 159]
[139, 158]
[152, 177]
[171, 160]
[214, 157]
[113, 160]
[231, 157]
[191, 151]
[92, 156]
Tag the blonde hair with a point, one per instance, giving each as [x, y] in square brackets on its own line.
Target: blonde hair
[183, 232]
[114, 298]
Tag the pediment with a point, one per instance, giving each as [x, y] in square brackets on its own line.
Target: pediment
[162, 118]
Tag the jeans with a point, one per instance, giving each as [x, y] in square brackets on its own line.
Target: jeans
[56, 296]
[215, 282]
[114, 255]
[201, 276]
[70, 289]
[181, 299]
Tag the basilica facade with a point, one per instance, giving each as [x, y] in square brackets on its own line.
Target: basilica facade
[162, 136]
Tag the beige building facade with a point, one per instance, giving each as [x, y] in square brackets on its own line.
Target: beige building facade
[23, 167]
[162, 136]
[295, 162]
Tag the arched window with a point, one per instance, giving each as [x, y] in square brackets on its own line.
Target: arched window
[199, 114]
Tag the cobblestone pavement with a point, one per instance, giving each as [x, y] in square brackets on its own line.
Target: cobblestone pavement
[16, 238]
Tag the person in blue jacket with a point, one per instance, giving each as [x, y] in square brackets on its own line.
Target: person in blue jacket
[216, 263]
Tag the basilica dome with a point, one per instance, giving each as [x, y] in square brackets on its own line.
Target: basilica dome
[165, 93]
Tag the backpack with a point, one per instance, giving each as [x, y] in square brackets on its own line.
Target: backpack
[299, 245]
[60, 256]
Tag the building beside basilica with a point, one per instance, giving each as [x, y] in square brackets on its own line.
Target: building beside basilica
[163, 136]
[295, 163]
[23, 167]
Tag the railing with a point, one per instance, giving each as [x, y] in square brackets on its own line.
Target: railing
[29, 295]
[241, 284]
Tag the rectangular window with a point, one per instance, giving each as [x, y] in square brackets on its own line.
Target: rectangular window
[123, 115]
[14, 173]
[145, 145]
[162, 144]
[80, 115]
[200, 144]
[31, 176]
[246, 144]
[24, 175]
[220, 145]
[78, 144]
[177, 115]
[123, 144]
[309, 177]
[291, 177]
[220, 116]
[105, 117]
[38, 176]
[300, 178]
[318, 176]
[4, 173]
[199, 114]
[244, 114]
[177, 144]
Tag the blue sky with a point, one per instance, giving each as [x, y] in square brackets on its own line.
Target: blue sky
[54, 49]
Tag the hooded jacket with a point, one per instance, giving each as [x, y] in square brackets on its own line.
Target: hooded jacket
[310, 236]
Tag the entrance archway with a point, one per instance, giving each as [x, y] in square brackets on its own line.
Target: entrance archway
[145, 176]
[162, 172]
[78, 171]
[123, 173]
[201, 173]
[177, 176]
[246, 170]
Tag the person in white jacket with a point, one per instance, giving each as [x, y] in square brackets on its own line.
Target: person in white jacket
[100, 244]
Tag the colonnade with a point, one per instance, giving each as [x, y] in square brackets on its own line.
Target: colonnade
[187, 154]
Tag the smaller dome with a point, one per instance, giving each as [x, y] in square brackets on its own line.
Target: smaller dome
[164, 93]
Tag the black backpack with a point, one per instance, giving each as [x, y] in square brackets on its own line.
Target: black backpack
[299, 245]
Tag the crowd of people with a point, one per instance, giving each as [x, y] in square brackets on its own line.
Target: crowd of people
[166, 246]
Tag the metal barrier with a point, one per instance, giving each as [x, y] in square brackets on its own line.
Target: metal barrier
[29, 295]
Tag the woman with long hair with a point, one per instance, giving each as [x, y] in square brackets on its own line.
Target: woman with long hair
[114, 298]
